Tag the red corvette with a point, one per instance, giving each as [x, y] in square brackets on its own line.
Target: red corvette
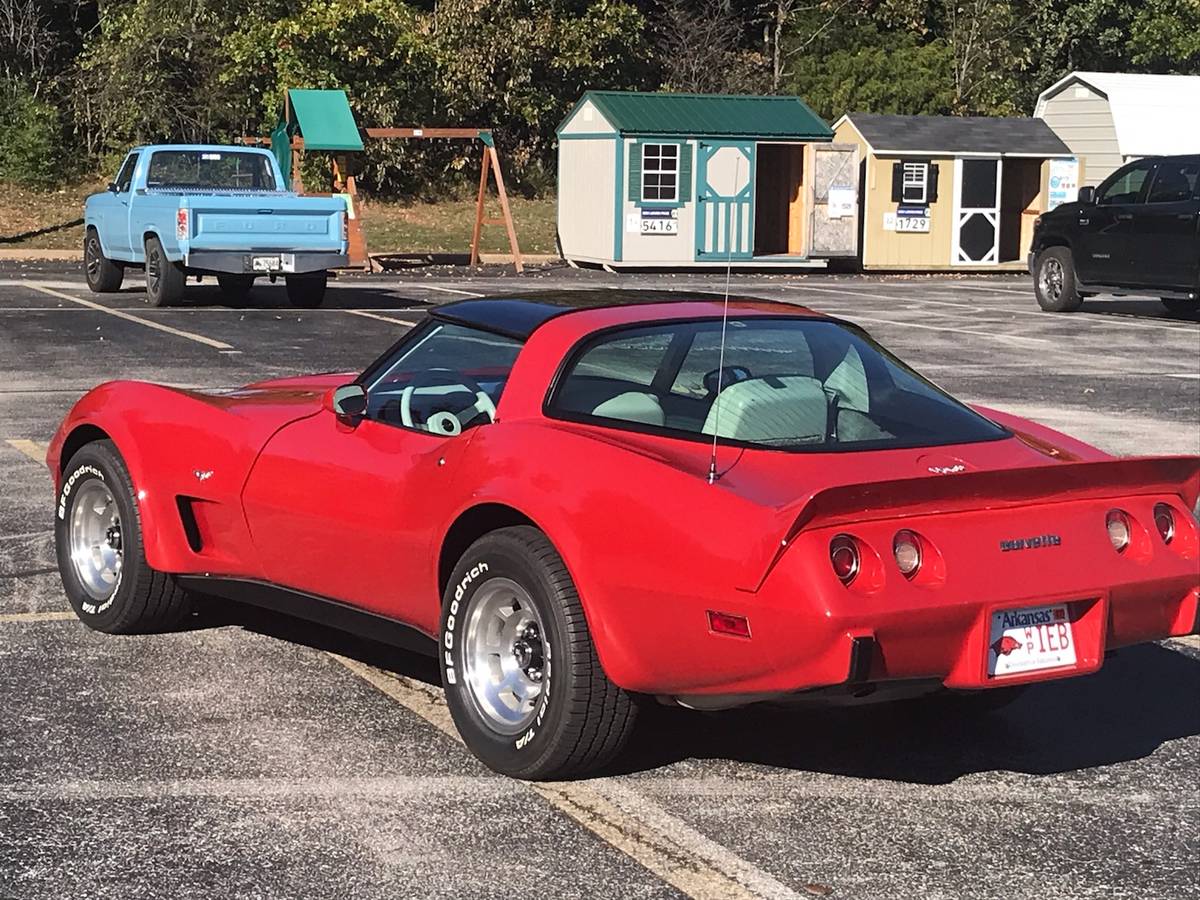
[577, 501]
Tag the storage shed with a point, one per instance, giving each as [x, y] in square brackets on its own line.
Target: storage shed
[694, 180]
[948, 192]
[1109, 118]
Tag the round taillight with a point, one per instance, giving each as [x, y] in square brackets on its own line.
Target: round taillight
[1164, 521]
[1118, 529]
[844, 557]
[907, 548]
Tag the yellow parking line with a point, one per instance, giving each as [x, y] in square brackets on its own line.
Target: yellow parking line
[157, 326]
[370, 315]
[35, 450]
[52, 616]
[660, 842]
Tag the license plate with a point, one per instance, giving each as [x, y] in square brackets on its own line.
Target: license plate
[265, 263]
[1026, 640]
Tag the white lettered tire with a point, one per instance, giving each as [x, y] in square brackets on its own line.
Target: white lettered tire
[98, 538]
[522, 678]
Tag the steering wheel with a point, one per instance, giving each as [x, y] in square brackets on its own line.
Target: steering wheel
[433, 382]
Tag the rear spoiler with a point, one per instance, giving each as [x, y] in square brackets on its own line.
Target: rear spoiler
[994, 489]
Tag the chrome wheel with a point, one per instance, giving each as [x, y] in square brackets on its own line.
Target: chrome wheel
[1050, 278]
[96, 539]
[506, 656]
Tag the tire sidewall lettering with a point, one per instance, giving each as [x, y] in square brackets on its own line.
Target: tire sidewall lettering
[461, 588]
[69, 485]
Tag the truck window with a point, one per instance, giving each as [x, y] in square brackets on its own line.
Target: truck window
[229, 170]
[1174, 181]
[1126, 185]
[125, 175]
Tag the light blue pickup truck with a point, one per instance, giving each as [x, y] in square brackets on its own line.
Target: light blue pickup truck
[180, 210]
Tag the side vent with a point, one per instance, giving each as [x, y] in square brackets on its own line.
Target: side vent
[187, 518]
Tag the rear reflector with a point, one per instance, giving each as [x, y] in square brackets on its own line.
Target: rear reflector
[181, 225]
[724, 623]
[907, 548]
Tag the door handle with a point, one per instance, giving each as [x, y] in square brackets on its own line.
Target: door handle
[1186, 217]
[1085, 221]
[1124, 217]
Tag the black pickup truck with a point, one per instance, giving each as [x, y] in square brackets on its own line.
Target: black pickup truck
[1137, 233]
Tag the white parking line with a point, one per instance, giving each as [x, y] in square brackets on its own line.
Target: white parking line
[660, 842]
[371, 315]
[35, 450]
[444, 290]
[157, 326]
[57, 615]
[1007, 338]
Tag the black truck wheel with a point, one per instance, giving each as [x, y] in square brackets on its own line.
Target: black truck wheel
[522, 678]
[165, 280]
[1054, 281]
[307, 291]
[98, 540]
[103, 275]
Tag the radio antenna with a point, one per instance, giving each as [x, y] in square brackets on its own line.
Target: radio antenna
[712, 460]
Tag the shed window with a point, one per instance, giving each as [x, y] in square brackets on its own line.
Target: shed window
[915, 187]
[660, 172]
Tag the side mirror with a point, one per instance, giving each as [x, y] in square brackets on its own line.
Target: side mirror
[348, 402]
[112, 187]
[1087, 195]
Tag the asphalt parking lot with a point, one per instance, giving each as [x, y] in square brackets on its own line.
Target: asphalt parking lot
[256, 756]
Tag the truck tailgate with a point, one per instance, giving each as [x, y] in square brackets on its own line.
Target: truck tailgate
[249, 223]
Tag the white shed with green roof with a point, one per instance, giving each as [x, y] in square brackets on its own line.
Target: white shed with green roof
[693, 180]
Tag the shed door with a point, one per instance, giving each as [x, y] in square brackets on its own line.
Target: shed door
[724, 200]
[976, 212]
[834, 223]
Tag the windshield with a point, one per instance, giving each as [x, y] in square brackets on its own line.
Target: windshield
[230, 170]
[800, 384]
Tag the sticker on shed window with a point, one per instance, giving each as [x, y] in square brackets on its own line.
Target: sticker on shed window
[213, 156]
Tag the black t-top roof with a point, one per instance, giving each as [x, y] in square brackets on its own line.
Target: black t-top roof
[519, 315]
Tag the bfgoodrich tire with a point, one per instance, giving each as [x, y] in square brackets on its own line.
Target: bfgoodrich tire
[1054, 281]
[522, 678]
[103, 275]
[98, 537]
[165, 280]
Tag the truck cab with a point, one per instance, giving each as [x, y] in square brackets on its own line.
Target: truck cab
[180, 210]
[1137, 232]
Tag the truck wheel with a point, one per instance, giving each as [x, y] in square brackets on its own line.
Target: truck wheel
[1054, 281]
[103, 275]
[307, 291]
[98, 539]
[522, 679]
[235, 287]
[1180, 306]
[165, 280]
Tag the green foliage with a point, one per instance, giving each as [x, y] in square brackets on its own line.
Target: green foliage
[30, 139]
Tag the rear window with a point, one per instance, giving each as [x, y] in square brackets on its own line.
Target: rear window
[795, 384]
[210, 170]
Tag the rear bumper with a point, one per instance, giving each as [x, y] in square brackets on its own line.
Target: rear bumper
[293, 262]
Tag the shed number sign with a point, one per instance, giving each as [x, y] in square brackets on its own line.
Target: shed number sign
[659, 221]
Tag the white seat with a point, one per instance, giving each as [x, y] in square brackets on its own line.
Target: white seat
[632, 406]
[792, 408]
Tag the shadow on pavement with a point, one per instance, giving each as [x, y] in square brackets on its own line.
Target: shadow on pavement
[1137, 307]
[1143, 697]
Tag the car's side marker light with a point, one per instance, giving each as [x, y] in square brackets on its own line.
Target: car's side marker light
[726, 623]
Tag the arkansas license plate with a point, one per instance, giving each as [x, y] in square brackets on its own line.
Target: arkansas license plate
[265, 263]
[1025, 640]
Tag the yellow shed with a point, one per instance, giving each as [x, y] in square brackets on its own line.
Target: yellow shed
[940, 193]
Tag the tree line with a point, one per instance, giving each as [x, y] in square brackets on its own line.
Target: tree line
[82, 80]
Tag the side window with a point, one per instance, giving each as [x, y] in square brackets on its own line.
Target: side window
[914, 187]
[1174, 181]
[660, 172]
[1125, 187]
[125, 175]
[447, 379]
[613, 378]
